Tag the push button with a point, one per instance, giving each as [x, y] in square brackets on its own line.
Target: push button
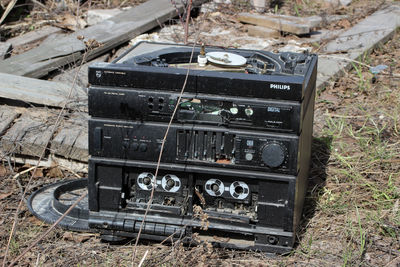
[143, 147]
[134, 146]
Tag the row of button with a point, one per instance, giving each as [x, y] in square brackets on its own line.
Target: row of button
[135, 146]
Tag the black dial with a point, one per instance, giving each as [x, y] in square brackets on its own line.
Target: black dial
[273, 154]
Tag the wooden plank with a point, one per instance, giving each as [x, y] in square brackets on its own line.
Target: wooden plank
[110, 33]
[353, 43]
[64, 141]
[274, 22]
[39, 91]
[270, 19]
[11, 140]
[32, 36]
[71, 142]
[29, 135]
[262, 32]
[7, 116]
[80, 150]
[95, 16]
[5, 50]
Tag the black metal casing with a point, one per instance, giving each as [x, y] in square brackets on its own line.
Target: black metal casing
[248, 173]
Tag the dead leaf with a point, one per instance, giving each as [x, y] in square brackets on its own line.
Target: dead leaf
[38, 173]
[5, 195]
[92, 43]
[3, 171]
[329, 97]
[72, 22]
[55, 172]
[34, 220]
[70, 236]
[344, 23]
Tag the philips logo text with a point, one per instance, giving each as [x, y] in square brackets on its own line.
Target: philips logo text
[279, 86]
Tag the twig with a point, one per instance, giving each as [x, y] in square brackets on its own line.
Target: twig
[14, 226]
[162, 148]
[48, 230]
[41, 5]
[144, 257]
[161, 153]
[179, 13]
[8, 9]
[187, 20]
[23, 172]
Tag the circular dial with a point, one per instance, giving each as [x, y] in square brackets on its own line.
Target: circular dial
[273, 154]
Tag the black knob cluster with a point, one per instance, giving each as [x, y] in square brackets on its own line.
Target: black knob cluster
[142, 147]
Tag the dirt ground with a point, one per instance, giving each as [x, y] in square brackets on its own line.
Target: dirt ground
[352, 211]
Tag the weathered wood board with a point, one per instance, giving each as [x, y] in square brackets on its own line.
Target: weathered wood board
[277, 23]
[356, 41]
[40, 91]
[5, 50]
[291, 24]
[7, 116]
[71, 142]
[29, 134]
[60, 50]
[32, 36]
[258, 31]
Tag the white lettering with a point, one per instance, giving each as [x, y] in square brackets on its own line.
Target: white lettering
[280, 86]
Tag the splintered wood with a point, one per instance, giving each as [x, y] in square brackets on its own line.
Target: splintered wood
[27, 131]
[279, 23]
[59, 50]
[5, 50]
[7, 116]
[29, 134]
[270, 25]
[259, 31]
[72, 140]
[41, 92]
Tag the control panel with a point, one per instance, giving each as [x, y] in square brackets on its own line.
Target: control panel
[189, 144]
[134, 104]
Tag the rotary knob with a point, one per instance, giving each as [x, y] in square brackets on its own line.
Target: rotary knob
[273, 154]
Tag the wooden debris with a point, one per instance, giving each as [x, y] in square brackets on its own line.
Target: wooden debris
[5, 50]
[356, 41]
[95, 16]
[62, 50]
[29, 135]
[277, 23]
[288, 23]
[72, 140]
[39, 91]
[7, 116]
[32, 36]
[262, 32]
